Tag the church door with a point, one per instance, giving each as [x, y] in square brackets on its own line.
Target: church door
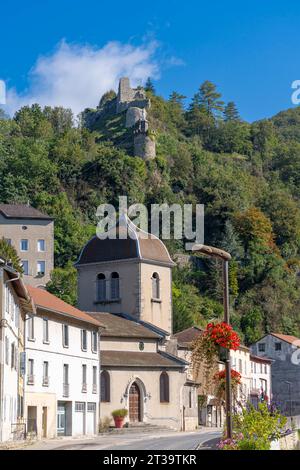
[134, 403]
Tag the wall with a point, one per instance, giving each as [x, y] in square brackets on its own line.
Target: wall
[36, 229]
[284, 369]
[144, 146]
[11, 329]
[57, 355]
[165, 414]
[157, 313]
[129, 287]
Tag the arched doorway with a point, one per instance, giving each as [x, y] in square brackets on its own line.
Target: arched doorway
[135, 403]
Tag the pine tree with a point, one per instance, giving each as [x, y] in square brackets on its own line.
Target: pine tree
[209, 99]
[231, 112]
[149, 86]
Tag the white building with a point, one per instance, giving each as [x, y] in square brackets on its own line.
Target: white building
[14, 303]
[261, 386]
[62, 362]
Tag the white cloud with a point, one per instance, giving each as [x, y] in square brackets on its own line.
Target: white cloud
[75, 76]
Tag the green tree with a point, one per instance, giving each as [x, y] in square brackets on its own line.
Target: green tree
[9, 254]
[231, 112]
[63, 283]
[149, 86]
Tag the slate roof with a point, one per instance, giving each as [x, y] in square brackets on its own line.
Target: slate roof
[140, 359]
[50, 302]
[117, 326]
[22, 211]
[131, 243]
[187, 336]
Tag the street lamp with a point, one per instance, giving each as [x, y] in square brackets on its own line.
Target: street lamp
[225, 257]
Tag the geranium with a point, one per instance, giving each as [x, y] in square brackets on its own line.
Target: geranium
[220, 380]
[222, 335]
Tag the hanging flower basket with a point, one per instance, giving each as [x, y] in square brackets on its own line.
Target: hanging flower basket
[220, 381]
[213, 346]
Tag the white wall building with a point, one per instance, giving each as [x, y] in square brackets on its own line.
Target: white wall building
[14, 302]
[62, 362]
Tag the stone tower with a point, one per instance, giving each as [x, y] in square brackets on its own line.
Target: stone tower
[143, 143]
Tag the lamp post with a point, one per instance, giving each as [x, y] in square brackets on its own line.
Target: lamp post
[225, 257]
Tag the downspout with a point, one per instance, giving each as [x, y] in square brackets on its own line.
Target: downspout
[99, 382]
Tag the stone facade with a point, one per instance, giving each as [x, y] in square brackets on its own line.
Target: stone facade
[128, 96]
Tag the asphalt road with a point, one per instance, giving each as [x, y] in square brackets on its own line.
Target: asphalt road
[162, 441]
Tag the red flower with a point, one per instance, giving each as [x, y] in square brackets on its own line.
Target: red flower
[235, 376]
[223, 335]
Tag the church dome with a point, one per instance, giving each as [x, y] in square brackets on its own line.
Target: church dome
[135, 244]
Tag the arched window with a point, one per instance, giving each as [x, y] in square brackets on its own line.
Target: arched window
[101, 287]
[105, 386]
[155, 286]
[164, 389]
[114, 286]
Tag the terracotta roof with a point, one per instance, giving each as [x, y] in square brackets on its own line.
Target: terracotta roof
[50, 302]
[22, 211]
[118, 326]
[132, 243]
[287, 338]
[260, 358]
[187, 336]
[140, 359]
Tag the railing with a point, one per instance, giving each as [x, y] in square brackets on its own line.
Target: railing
[84, 388]
[45, 381]
[18, 431]
[30, 380]
[66, 390]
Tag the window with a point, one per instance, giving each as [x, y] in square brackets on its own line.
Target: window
[30, 378]
[41, 245]
[45, 330]
[66, 390]
[83, 340]
[13, 362]
[6, 350]
[101, 287]
[40, 268]
[84, 385]
[241, 366]
[65, 334]
[114, 286]
[261, 347]
[91, 407]
[94, 379]
[141, 346]
[164, 387]
[155, 286]
[24, 245]
[277, 346]
[266, 369]
[30, 328]
[190, 399]
[45, 373]
[94, 341]
[25, 266]
[105, 386]
[79, 406]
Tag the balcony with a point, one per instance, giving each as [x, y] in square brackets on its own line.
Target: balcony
[84, 388]
[30, 379]
[66, 390]
[45, 381]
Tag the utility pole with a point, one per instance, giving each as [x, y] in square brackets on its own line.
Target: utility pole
[225, 258]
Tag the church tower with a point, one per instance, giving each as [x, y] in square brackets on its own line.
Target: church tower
[131, 275]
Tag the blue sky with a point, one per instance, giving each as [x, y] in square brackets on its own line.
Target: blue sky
[249, 49]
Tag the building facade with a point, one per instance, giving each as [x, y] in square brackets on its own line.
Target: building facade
[14, 304]
[62, 369]
[284, 350]
[31, 233]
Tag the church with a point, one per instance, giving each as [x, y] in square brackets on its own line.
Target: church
[126, 284]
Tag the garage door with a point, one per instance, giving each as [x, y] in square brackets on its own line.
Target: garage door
[79, 418]
[91, 418]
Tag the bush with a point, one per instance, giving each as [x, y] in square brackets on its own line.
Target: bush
[120, 413]
[104, 424]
